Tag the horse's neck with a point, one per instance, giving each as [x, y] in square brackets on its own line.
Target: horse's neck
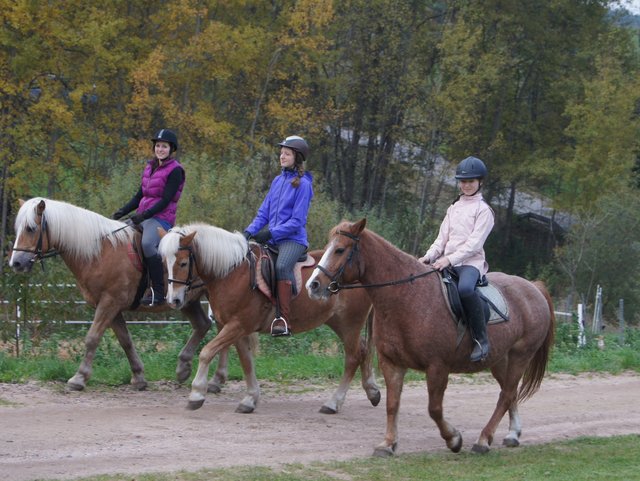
[387, 263]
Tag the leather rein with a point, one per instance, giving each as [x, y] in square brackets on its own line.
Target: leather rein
[335, 286]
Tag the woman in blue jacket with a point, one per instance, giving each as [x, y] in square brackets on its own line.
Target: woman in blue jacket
[281, 221]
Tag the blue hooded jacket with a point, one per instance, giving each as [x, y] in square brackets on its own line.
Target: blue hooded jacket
[285, 209]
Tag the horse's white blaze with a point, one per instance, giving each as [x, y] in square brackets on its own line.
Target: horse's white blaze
[322, 263]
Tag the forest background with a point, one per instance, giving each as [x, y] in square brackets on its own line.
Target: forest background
[390, 94]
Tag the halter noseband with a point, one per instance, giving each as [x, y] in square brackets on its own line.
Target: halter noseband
[39, 254]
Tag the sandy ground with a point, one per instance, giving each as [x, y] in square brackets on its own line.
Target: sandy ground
[46, 432]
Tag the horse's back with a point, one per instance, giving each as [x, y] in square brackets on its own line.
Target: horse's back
[527, 300]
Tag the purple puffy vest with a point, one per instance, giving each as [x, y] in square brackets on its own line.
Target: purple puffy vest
[153, 186]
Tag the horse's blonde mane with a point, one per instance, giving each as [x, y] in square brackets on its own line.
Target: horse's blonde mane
[218, 251]
[73, 231]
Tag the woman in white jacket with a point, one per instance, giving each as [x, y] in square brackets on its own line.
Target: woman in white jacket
[460, 244]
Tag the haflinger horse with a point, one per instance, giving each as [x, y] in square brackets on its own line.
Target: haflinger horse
[414, 329]
[221, 259]
[96, 250]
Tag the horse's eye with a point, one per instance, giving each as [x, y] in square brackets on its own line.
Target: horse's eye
[183, 264]
[30, 229]
[340, 250]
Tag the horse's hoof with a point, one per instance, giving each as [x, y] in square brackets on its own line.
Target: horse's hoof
[244, 409]
[375, 399]
[480, 449]
[510, 442]
[74, 386]
[193, 405]
[327, 410]
[455, 443]
[140, 385]
[183, 374]
[214, 388]
[385, 451]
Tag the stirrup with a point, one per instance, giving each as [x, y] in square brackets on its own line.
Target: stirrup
[152, 300]
[279, 327]
[482, 355]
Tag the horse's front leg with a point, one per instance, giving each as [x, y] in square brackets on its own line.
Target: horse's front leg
[228, 335]
[101, 320]
[119, 327]
[200, 323]
[437, 380]
[394, 379]
[246, 346]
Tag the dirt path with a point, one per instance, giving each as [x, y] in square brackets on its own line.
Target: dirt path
[46, 432]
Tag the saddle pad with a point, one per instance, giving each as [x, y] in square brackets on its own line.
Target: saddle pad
[297, 273]
[134, 257]
[491, 293]
[495, 298]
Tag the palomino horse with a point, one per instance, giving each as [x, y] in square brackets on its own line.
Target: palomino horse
[95, 249]
[413, 329]
[221, 259]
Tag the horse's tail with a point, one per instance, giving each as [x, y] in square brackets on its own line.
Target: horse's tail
[537, 366]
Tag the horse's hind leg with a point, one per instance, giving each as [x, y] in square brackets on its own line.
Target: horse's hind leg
[508, 375]
[200, 323]
[221, 375]
[245, 347]
[512, 439]
[437, 380]
[119, 327]
[357, 352]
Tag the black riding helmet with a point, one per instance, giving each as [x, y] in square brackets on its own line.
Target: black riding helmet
[166, 135]
[471, 168]
[298, 144]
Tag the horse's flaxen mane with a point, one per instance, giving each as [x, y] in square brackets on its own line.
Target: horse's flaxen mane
[218, 251]
[74, 231]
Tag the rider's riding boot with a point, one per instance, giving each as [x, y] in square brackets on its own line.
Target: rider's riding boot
[478, 327]
[280, 325]
[156, 274]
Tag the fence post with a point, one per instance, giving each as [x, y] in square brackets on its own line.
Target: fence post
[582, 341]
[621, 320]
[596, 325]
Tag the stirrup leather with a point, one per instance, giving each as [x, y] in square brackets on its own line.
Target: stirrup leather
[277, 328]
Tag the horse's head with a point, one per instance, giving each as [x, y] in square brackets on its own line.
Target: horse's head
[176, 250]
[32, 239]
[340, 263]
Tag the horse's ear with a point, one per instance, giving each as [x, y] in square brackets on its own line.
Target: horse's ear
[359, 226]
[161, 232]
[21, 202]
[40, 208]
[187, 239]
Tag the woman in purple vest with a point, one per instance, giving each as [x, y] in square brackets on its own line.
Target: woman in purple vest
[156, 203]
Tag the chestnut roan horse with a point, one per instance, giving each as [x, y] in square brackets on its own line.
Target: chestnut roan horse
[413, 329]
[221, 259]
[95, 249]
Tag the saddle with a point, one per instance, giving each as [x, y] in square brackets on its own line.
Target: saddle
[263, 272]
[134, 252]
[495, 306]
